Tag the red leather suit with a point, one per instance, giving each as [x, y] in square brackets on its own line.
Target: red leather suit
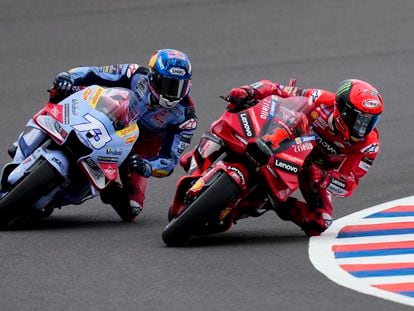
[334, 167]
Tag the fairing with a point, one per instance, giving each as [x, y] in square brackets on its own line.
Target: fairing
[94, 128]
[264, 145]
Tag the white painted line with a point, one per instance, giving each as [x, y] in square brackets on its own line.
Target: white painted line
[368, 239]
[387, 279]
[369, 221]
[377, 259]
[323, 257]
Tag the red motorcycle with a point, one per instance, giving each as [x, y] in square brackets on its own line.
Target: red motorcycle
[245, 166]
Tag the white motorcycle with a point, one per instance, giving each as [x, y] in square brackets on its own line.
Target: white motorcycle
[68, 152]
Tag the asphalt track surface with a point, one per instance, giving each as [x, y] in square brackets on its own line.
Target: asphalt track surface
[84, 258]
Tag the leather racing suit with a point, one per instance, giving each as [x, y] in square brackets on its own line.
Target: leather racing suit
[335, 165]
[164, 133]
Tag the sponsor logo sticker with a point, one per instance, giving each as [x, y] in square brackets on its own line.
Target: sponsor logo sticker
[315, 95]
[372, 148]
[246, 124]
[371, 104]
[131, 139]
[364, 165]
[86, 94]
[287, 166]
[326, 146]
[177, 71]
[96, 96]
[190, 124]
[128, 130]
[302, 147]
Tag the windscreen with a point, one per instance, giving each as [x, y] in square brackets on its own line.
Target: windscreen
[287, 121]
[120, 105]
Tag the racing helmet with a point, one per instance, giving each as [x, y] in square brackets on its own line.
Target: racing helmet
[169, 76]
[357, 110]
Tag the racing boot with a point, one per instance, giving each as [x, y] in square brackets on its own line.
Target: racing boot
[313, 223]
[316, 223]
[284, 209]
[117, 197]
[134, 209]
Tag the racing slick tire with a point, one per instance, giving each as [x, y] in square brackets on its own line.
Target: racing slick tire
[211, 202]
[16, 201]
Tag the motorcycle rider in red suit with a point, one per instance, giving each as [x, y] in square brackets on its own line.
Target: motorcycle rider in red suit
[347, 144]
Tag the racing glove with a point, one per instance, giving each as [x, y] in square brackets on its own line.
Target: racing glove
[162, 167]
[240, 98]
[63, 83]
[140, 165]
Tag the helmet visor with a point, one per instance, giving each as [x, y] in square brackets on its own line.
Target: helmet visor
[364, 123]
[359, 124]
[171, 88]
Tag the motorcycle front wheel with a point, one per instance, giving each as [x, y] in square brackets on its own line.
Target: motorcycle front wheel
[16, 201]
[211, 202]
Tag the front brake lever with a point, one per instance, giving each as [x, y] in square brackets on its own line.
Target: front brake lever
[225, 98]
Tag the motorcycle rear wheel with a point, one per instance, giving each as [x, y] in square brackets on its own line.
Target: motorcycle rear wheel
[32, 187]
[213, 200]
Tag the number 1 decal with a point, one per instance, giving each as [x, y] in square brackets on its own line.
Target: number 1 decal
[278, 135]
[99, 135]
